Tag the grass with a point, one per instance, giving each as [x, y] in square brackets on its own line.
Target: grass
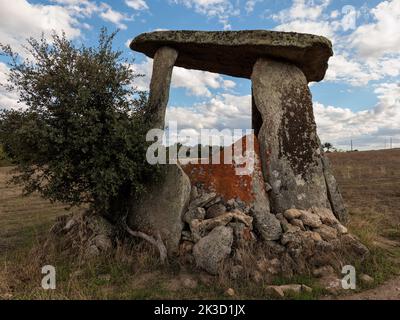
[370, 183]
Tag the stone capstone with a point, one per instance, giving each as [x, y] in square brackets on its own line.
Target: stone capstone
[235, 52]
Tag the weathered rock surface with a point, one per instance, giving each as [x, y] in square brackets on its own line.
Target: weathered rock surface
[341, 228]
[324, 271]
[200, 227]
[290, 149]
[267, 225]
[298, 223]
[164, 60]
[326, 216]
[210, 251]
[353, 246]
[366, 279]
[310, 219]
[334, 195]
[161, 209]
[215, 210]
[84, 233]
[242, 233]
[327, 233]
[283, 290]
[235, 52]
[292, 214]
[203, 200]
[194, 213]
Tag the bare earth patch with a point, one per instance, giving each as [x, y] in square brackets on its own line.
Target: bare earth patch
[388, 291]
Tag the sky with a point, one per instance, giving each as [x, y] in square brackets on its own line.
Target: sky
[358, 100]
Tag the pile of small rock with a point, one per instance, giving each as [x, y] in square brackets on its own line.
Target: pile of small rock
[84, 234]
[213, 228]
[297, 241]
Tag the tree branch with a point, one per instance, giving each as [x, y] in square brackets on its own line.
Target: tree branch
[155, 242]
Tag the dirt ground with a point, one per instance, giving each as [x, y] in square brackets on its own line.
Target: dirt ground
[388, 291]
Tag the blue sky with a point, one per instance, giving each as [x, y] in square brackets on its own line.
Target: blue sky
[359, 98]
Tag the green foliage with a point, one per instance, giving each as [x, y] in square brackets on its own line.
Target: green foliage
[81, 139]
[4, 161]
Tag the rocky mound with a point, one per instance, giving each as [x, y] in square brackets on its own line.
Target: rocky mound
[299, 241]
[229, 216]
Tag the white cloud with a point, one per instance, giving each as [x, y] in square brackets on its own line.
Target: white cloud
[20, 20]
[8, 100]
[381, 37]
[137, 4]
[198, 83]
[225, 111]
[302, 10]
[308, 17]
[322, 28]
[368, 128]
[377, 44]
[250, 5]
[81, 8]
[344, 69]
[86, 8]
[220, 9]
[113, 16]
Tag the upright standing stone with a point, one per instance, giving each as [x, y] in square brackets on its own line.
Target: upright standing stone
[290, 151]
[160, 210]
[334, 195]
[163, 64]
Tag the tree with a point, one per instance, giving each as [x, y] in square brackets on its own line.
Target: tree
[81, 139]
[4, 161]
[328, 146]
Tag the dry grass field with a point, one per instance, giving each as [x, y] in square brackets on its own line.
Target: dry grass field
[370, 183]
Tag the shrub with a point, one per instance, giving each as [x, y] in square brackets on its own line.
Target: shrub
[81, 138]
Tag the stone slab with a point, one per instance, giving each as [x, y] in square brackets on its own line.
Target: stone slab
[234, 52]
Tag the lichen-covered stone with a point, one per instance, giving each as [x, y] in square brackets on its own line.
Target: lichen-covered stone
[334, 195]
[292, 214]
[194, 213]
[326, 216]
[267, 226]
[310, 219]
[235, 52]
[290, 149]
[210, 251]
[215, 210]
[164, 60]
[327, 233]
[161, 208]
